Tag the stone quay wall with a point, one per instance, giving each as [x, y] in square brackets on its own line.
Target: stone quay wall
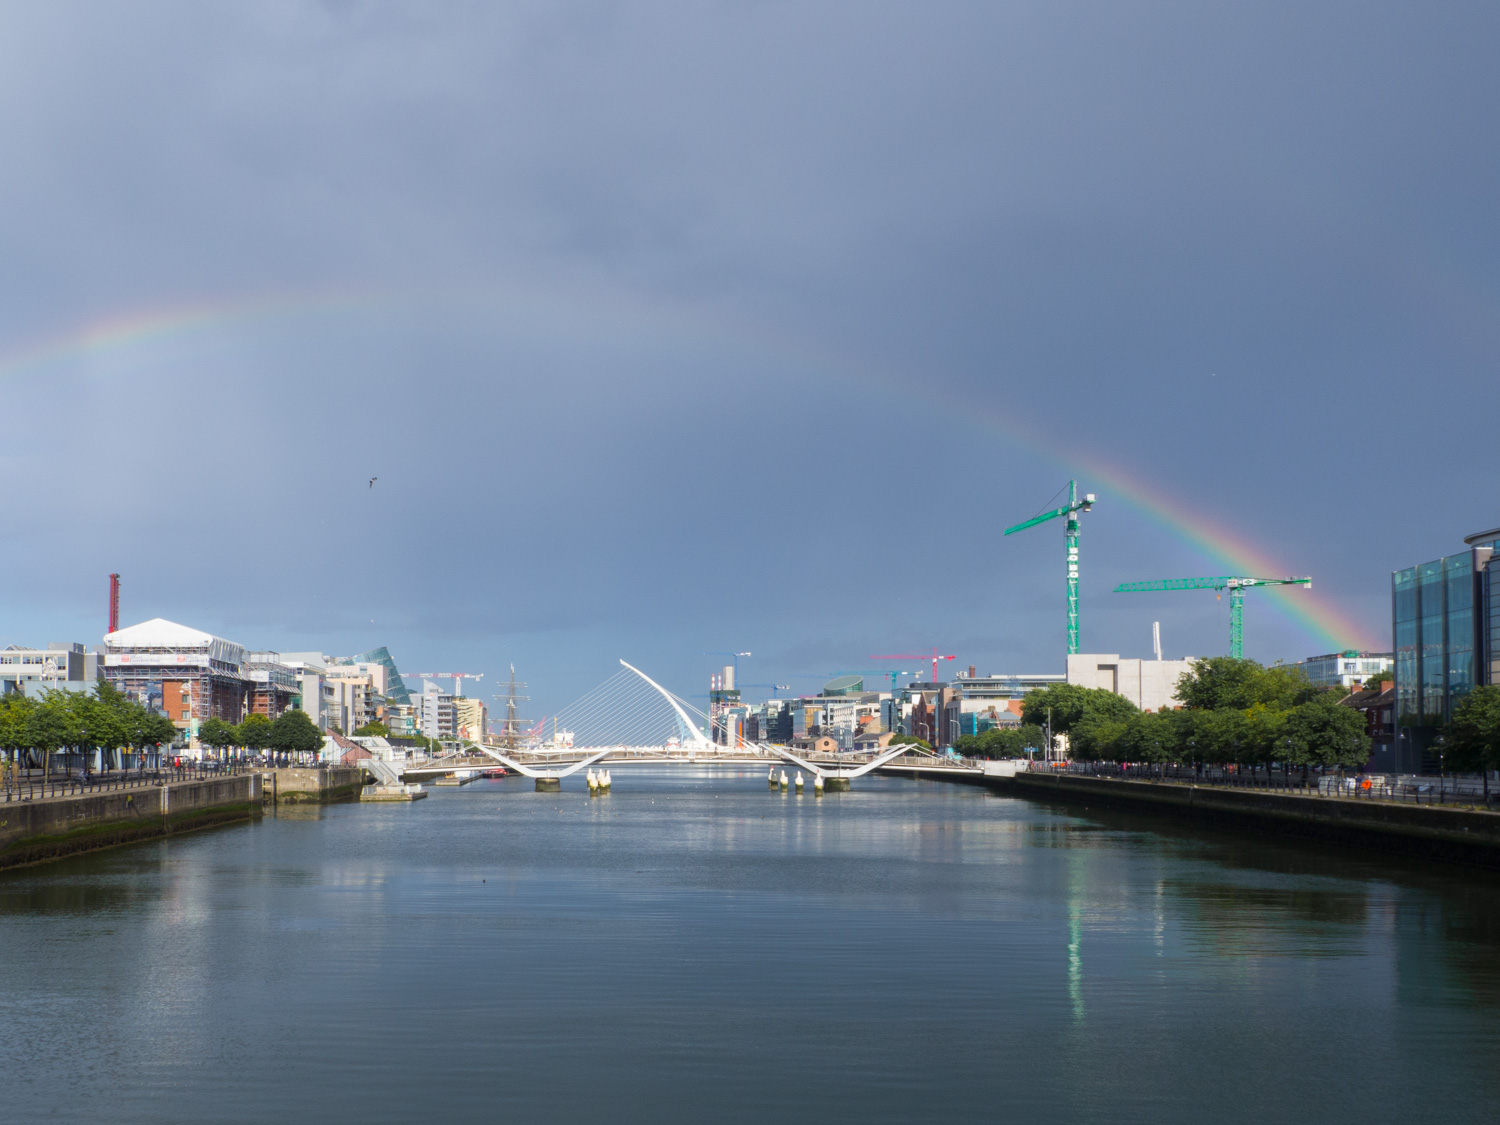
[1460, 835]
[54, 827]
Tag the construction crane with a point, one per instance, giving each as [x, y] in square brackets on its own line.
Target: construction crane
[933, 656]
[774, 687]
[1234, 584]
[735, 655]
[458, 678]
[1070, 510]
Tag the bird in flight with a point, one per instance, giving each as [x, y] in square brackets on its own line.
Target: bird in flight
[373, 480]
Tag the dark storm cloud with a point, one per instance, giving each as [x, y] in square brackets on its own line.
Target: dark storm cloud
[1246, 251]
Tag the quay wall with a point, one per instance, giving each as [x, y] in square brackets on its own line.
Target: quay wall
[312, 786]
[53, 827]
[1459, 835]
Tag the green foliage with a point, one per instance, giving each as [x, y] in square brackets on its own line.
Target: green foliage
[1239, 712]
[101, 720]
[1322, 732]
[1012, 743]
[295, 733]
[1471, 741]
[373, 729]
[218, 734]
[1073, 706]
[15, 722]
[255, 732]
[1221, 682]
[910, 740]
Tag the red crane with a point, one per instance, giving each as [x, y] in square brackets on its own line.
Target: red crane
[934, 656]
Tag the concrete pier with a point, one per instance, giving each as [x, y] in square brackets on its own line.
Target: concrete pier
[392, 793]
[836, 784]
[290, 786]
[548, 784]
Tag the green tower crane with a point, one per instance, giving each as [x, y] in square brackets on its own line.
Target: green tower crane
[1071, 510]
[1236, 587]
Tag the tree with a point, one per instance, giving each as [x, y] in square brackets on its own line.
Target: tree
[896, 740]
[1323, 732]
[218, 734]
[1071, 705]
[47, 730]
[294, 733]
[1471, 740]
[255, 732]
[373, 729]
[157, 730]
[1012, 742]
[15, 727]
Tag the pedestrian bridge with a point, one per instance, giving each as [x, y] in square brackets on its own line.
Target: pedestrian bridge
[632, 718]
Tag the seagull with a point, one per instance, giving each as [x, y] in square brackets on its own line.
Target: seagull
[373, 480]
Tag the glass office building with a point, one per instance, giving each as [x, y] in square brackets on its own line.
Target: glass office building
[1445, 621]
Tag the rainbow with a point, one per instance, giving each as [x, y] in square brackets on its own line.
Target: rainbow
[1313, 613]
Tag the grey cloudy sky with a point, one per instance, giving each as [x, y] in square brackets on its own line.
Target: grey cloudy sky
[678, 327]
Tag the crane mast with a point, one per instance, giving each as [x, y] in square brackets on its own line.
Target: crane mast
[1070, 539]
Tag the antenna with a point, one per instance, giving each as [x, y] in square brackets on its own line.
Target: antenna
[1156, 638]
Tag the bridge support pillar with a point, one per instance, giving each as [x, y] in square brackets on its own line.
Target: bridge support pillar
[836, 784]
[548, 784]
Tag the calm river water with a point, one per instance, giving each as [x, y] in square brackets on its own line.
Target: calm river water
[693, 948]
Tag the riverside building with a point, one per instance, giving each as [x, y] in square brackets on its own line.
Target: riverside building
[59, 665]
[1347, 668]
[1445, 626]
[187, 674]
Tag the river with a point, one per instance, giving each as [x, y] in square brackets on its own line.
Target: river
[694, 948]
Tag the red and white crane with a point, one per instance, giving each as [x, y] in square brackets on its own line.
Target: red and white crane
[934, 656]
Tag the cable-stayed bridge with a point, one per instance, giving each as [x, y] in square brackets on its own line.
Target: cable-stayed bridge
[632, 718]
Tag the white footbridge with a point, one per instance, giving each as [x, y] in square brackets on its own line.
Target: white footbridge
[621, 722]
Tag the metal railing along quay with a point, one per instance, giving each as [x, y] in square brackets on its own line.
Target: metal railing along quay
[1403, 788]
[32, 784]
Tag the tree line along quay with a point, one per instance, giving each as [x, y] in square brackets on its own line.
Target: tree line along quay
[1236, 713]
[103, 728]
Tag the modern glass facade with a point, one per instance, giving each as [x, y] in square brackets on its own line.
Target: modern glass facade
[1445, 627]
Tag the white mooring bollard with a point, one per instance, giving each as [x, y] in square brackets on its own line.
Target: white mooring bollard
[771, 776]
[606, 781]
[593, 782]
[818, 786]
[799, 781]
[784, 780]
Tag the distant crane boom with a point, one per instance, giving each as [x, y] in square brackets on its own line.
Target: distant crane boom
[1235, 584]
[934, 656]
[458, 678]
[1069, 510]
[893, 673]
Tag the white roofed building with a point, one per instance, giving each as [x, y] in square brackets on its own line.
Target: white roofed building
[182, 672]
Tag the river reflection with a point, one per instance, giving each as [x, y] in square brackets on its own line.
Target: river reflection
[694, 947]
